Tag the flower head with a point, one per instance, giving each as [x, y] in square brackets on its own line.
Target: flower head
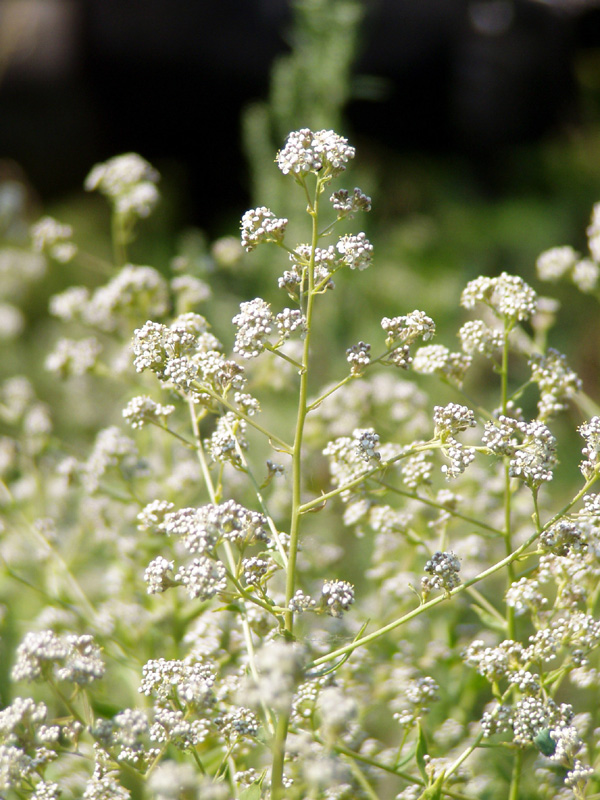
[305, 152]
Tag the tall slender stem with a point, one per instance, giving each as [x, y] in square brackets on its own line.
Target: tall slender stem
[277, 788]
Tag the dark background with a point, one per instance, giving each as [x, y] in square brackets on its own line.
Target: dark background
[83, 81]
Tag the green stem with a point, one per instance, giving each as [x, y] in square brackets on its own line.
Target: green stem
[463, 587]
[434, 504]
[425, 606]
[510, 611]
[300, 419]
[289, 359]
[222, 401]
[277, 787]
[316, 403]
[515, 780]
[229, 554]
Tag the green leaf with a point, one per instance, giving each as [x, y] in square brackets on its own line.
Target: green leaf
[276, 556]
[421, 752]
[252, 792]
[434, 792]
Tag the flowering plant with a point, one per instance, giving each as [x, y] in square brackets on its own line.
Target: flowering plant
[370, 596]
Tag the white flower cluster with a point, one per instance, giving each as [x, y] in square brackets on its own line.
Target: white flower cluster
[326, 261]
[530, 446]
[507, 295]
[337, 597]
[590, 431]
[290, 320]
[409, 328]
[154, 344]
[73, 357]
[436, 358]
[347, 205]
[237, 724]
[305, 152]
[254, 323]
[559, 262]
[477, 337]
[443, 569]
[136, 291]
[260, 225]
[452, 419]
[564, 537]
[143, 409]
[359, 357]
[556, 380]
[416, 470]
[159, 575]
[104, 785]
[228, 439]
[202, 529]
[301, 602]
[367, 442]
[189, 681]
[356, 250]
[69, 657]
[128, 181]
[345, 462]
[52, 237]
[494, 663]
[555, 263]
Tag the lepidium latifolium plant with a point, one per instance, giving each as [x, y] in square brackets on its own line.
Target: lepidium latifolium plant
[355, 592]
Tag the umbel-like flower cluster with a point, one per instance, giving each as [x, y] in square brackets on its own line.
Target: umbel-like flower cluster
[276, 589]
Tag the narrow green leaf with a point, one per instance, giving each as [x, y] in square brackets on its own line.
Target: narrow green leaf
[421, 752]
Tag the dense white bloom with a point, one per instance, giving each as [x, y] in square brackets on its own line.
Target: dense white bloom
[104, 785]
[508, 295]
[556, 380]
[255, 323]
[52, 237]
[305, 151]
[585, 275]
[530, 445]
[477, 337]
[73, 356]
[409, 328]
[432, 358]
[73, 658]
[260, 225]
[553, 264]
[143, 409]
[443, 569]
[337, 597]
[590, 431]
[356, 250]
[452, 419]
[135, 290]
[128, 181]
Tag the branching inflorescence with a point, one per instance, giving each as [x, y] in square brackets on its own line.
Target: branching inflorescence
[369, 596]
